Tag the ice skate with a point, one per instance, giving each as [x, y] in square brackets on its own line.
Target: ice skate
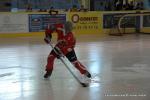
[86, 78]
[87, 74]
[47, 74]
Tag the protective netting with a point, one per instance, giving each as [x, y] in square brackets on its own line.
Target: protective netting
[134, 23]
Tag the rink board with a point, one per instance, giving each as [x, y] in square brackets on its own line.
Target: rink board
[95, 22]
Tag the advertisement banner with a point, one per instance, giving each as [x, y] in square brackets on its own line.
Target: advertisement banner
[38, 22]
[86, 22]
[13, 23]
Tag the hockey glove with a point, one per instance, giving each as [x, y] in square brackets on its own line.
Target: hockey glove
[47, 40]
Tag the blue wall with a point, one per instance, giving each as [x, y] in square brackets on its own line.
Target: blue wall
[147, 4]
[45, 4]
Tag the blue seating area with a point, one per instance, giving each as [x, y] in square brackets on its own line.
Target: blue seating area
[44, 4]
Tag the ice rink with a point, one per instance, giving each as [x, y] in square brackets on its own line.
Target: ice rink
[120, 68]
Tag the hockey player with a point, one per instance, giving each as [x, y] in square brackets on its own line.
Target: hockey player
[65, 44]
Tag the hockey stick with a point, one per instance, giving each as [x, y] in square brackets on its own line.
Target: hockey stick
[62, 60]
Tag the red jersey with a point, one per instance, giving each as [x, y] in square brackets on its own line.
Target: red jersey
[69, 43]
[68, 38]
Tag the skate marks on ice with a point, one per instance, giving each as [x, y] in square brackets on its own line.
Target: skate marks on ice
[13, 67]
[16, 74]
[95, 81]
[6, 74]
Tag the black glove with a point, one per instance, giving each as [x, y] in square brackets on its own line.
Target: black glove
[47, 40]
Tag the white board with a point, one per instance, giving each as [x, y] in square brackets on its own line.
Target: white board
[14, 23]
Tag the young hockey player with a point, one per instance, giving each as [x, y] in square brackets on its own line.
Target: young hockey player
[65, 44]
